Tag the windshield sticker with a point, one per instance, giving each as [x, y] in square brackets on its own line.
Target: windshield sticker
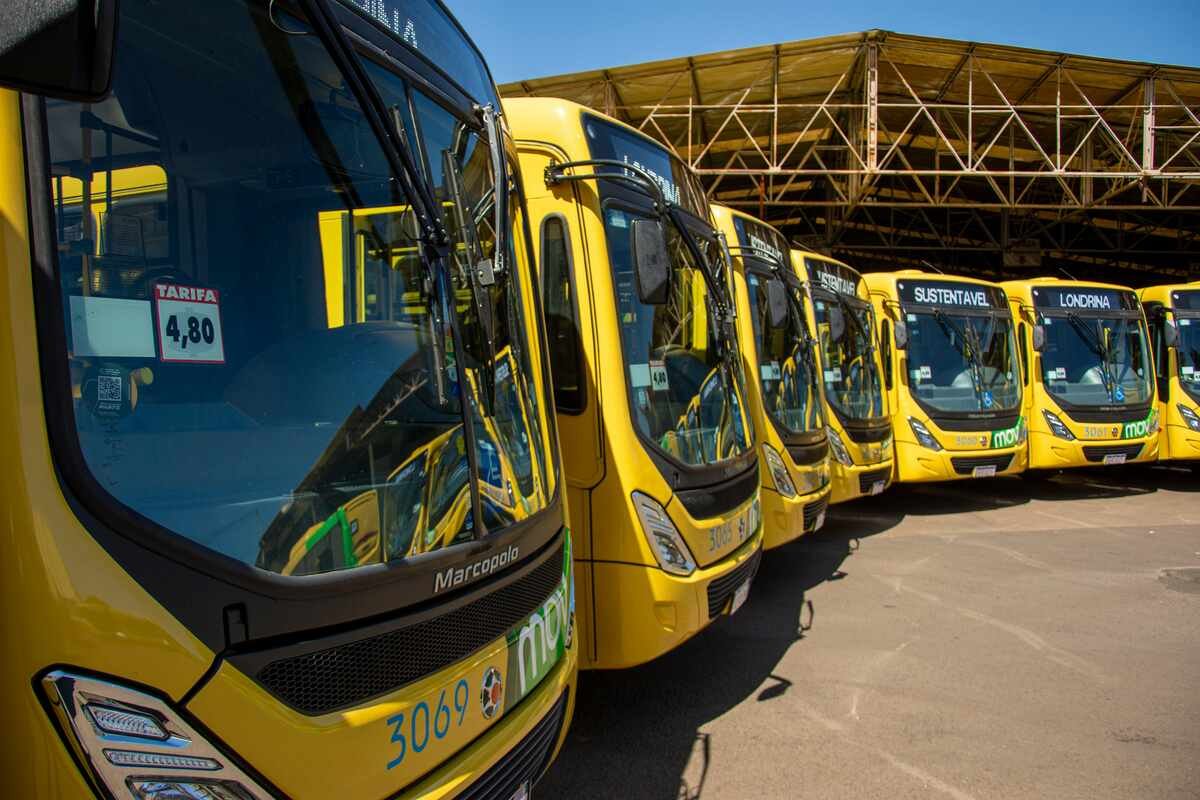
[916, 375]
[833, 375]
[111, 327]
[926, 372]
[988, 400]
[618, 219]
[1060, 373]
[1119, 393]
[912, 317]
[639, 376]
[658, 377]
[188, 319]
[771, 371]
[1185, 322]
[1189, 370]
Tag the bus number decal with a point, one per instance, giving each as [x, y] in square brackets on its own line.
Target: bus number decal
[419, 726]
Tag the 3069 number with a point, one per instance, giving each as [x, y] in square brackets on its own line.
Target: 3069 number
[414, 730]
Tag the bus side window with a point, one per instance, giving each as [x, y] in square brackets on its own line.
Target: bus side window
[1021, 337]
[1156, 316]
[886, 336]
[562, 321]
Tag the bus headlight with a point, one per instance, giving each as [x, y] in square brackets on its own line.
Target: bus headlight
[1190, 417]
[924, 437]
[134, 743]
[779, 472]
[1057, 427]
[665, 542]
[838, 448]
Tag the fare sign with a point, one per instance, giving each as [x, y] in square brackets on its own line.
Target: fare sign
[188, 323]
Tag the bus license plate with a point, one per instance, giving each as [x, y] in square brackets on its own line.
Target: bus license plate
[984, 472]
[1114, 460]
[739, 598]
[877, 487]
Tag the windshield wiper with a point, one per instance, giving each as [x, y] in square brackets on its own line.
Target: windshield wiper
[1096, 344]
[968, 346]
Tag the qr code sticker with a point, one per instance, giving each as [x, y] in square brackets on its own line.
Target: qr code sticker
[108, 389]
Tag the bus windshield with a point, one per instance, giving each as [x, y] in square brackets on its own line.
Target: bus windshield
[1188, 349]
[851, 372]
[787, 370]
[1092, 360]
[259, 349]
[963, 361]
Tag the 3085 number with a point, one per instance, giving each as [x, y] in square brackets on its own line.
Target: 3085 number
[414, 730]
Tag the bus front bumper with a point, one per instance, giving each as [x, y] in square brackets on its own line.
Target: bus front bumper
[643, 612]
[785, 519]
[853, 482]
[917, 464]
[1047, 451]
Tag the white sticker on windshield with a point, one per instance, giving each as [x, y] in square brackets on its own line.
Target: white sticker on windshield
[1060, 373]
[912, 317]
[639, 375]
[658, 376]
[771, 371]
[916, 375]
[110, 327]
[1185, 322]
[926, 372]
[833, 375]
[1189, 370]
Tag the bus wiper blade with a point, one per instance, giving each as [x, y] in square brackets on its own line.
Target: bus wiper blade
[395, 149]
[1096, 344]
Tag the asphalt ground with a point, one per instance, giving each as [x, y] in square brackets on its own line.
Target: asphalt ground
[1012, 638]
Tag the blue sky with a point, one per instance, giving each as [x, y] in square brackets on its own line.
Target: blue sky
[532, 38]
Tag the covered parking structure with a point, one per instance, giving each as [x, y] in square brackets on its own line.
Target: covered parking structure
[890, 150]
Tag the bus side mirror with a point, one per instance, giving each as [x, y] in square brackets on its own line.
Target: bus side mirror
[777, 303]
[1170, 333]
[837, 324]
[1039, 338]
[901, 334]
[59, 48]
[651, 262]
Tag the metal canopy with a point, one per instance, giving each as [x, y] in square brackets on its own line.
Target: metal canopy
[891, 150]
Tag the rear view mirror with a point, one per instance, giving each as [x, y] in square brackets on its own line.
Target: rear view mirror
[1170, 333]
[59, 48]
[777, 304]
[837, 324]
[651, 262]
[901, 334]
[1039, 338]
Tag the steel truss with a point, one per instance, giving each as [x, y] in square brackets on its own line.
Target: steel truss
[898, 149]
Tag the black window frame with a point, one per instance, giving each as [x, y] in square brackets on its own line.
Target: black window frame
[580, 393]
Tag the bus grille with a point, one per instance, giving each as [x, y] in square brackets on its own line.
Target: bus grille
[867, 480]
[1099, 453]
[966, 465]
[347, 675]
[814, 510]
[525, 763]
[722, 588]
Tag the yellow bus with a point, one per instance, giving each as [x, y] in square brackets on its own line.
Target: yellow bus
[1173, 314]
[658, 448]
[842, 321]
[952, 376]
[261, 538]
[784, 385]
[1087, 374]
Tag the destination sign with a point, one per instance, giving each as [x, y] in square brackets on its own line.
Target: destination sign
[1186, 300]
[1084, 298]
[762, 238]
[616, 143]
[950, 293]
[833, 277]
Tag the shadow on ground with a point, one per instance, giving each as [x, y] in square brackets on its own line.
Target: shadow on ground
[637, 732]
